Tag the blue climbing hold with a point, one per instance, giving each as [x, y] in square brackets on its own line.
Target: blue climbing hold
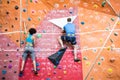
[47, 78]
[38, 69]
[29, 19]
[24, 10]
[82, 23]
[37, 64]
[4, 72]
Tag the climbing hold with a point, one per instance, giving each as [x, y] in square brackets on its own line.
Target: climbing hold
[16, 18]
[38, 18]
[55, 66]
[17, 40]
[30, 0]
[5, 66]
[99, 63]
[71, 10]
[7, 13]
[91, 78]
[111, 40]
[49, 74]
[39, 35]
[10, 66]
[7, 55]
[8, 2]
[82, 23]
[65, 72]
[29, 19]
[54, 72]
[44, 31]
[16, 7]
[21, 42]
[12, 26]
[33, 11]
[108, 48]
[112, 60]
[59, 77]
[87, 63]
[118, 22]
[65, 5]
[110, 70]
[47, 78]
[102, 58]
[56, 5]
[115, 33]
[103, 3]
[37, 64]
[59, 67]
[112, 19]
[15, 71]
[101, 40]
[24, 10]
[4, 72]
[38, 69]
[3, 78]
[36, 1]
[95, 6]
[6, 30]
[10, 61]
[85, 58]
[8, 44]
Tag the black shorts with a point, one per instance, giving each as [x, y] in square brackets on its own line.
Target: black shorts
[71, 39]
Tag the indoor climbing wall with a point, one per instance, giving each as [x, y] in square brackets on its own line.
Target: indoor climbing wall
[97, 36]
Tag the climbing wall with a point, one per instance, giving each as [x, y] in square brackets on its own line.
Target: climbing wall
[97, 37]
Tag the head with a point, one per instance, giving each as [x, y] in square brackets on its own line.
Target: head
[32, 31]
[68, 19]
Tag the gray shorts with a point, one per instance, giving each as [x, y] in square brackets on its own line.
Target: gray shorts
[28, 50]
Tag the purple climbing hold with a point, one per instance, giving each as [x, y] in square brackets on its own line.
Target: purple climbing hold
[10, 66]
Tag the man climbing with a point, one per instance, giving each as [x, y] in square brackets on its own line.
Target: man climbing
[69, 37]
[29, 49]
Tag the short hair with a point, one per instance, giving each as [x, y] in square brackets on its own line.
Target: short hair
[68, 19]
[32, 31]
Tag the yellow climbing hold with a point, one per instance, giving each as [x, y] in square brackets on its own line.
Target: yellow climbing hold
[95, 6]
[110, 70]
[118, 23]
[87, 63]
[108, 48]
[101, 40]
[65, 72]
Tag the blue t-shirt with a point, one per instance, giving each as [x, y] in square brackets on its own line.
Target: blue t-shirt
[29, 39]
[69, 28]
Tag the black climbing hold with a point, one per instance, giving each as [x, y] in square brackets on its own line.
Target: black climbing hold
[8, 2]
[17, 49]
[16, 7]
[8, 44]
[3, 78]
[7, 12]
[7, 55]
[10, 61]
[15, 71]
[17, 40]
[5, 66]
[16, 18]
[6, 30]
[12, 26]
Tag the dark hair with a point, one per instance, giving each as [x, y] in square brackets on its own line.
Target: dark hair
[32, 31]
[68, 19]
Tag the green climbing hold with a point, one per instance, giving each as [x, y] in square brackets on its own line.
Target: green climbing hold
[99, 63]
[39, 35]
[85, 58]
[30, 0]
[103, 3]
[115, 33]
[112, 19]
[55, 66]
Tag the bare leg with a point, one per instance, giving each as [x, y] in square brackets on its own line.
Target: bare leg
[22, 67]
[60, 41]
[75, 51]
[34, 64]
